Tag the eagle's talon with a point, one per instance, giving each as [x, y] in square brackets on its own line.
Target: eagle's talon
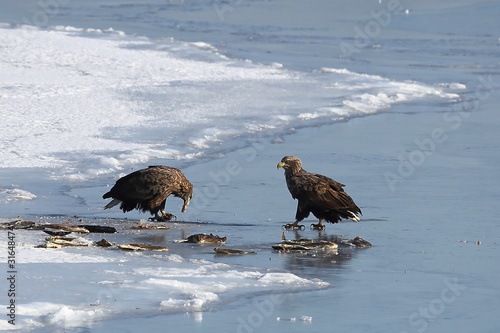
[317, 226]
[163, 218]
[168, 217]
[291, 226]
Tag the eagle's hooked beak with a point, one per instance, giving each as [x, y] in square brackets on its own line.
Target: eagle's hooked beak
[281, 165]
[186, 203]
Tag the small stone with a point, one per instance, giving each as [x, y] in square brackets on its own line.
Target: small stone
[104, 243]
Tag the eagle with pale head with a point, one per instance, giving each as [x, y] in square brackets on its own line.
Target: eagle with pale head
[317, 194]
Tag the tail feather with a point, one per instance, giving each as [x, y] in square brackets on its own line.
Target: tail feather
[112, 203]
[353, 217]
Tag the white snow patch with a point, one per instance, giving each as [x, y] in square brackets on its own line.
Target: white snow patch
[91, 102]
[14, 195]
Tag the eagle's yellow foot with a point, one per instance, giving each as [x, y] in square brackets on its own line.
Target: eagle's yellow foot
[318, 226]
[293, 226]
[168, 216]
[165, 217]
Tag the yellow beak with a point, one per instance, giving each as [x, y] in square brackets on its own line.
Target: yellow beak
[186, 203]
[280, 165]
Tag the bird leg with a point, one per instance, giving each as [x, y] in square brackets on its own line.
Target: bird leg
[318, 226]
[168, 216]
[293, 226]
[164, 217]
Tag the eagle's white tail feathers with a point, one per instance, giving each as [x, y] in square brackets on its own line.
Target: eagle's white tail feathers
[354, 217]
[112, 203]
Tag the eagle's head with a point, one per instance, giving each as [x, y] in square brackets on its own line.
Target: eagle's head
[291, 164]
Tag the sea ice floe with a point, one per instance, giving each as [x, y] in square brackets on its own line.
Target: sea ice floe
[93, 102]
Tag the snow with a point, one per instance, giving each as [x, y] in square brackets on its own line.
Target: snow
[83, 106]
[125, 281]
[93, 102]
[14, 194]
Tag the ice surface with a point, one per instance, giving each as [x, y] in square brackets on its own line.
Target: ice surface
[85, 285]
[127, 281]
[85, 103]
[90, 102]
[14, 194]
[82, 106]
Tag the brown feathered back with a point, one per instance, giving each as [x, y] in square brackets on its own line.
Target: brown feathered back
[147, 189]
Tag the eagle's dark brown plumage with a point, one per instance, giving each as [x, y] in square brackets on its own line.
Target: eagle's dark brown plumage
[148, 189]
[317, 194]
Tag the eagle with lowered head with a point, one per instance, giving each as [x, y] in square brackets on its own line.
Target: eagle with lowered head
[317, 194]
[148, 189]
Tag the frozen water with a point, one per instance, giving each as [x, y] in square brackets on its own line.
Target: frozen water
[90, 103]
[201, 84]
